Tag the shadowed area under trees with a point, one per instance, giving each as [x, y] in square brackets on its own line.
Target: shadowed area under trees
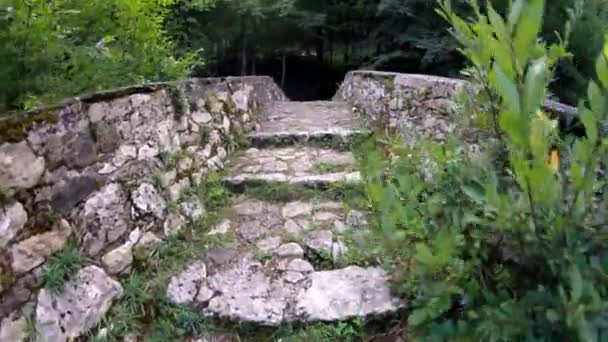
[54, 49]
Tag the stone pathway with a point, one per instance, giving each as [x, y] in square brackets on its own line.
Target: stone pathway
[270, 271]
[289, 122]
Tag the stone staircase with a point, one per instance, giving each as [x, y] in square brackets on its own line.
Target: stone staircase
[264, 274]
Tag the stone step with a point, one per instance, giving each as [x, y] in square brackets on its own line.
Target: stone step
[286, 123]
[266, 274]
[335, 138]
[297, 165]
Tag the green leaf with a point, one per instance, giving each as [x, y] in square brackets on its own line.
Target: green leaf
[498, 24]
[417, 317]
[536, 85]
[515, 13]
[506, 89]
[552, 315]
[590, 123]
[576, 283]
[528, 27]
[475, 192]
[601, 66]
[596, 99]
[424, 254]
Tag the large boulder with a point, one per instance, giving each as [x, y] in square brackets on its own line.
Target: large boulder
[80, 306]
[19, 167]
[103, 219]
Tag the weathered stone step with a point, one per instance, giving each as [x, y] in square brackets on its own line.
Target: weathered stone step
[298, 165]
[267, 274]
[336, 138]
[247, 293]
[285, 123]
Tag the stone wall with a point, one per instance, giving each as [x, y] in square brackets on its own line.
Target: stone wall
[412, 104]
[112, 172]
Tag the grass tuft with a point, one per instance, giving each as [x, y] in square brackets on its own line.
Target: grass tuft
[62, 266]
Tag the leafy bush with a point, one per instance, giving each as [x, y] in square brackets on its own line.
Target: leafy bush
[503, 251]
[66, 47]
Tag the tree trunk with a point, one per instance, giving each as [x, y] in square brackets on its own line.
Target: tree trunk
[244, 45]
[330, 47]
[283, 69]
[320, 45]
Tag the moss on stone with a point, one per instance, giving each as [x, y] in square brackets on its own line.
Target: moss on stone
[178, 100]
[6, 280]
[14, 128]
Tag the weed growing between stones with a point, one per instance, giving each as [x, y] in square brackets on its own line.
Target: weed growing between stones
[62, 266]
[213, 193]
[328, 168]
[6, 280]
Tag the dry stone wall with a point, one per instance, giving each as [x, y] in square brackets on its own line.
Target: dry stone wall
[114, 173]
[414, 105]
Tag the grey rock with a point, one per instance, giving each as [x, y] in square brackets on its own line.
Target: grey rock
[290, 250]
[320, 241]
[31, 253]
[74, 191]
[106, 136]
[221, 255]
[79, 307]
[338, 250]
[124, 154]
[295, 209]
[294, 277]
[246, 294]
[356, 219]
[80, 151]
[119, 259]
[221, 228]
[103, 218]
[183, 288]
[339, 226]
[19, 167]
[13, 328]
[292, 228]
[346, 293]
[204, 294]
[12, 219]
[324, 216]
[250, 231]
[192, 209]
[147, 152]
[249, 208]
[201, 117]
[146, 245]
[269, 244]
[300, 265]
[173, 224]
[147, 201]
[177, 190]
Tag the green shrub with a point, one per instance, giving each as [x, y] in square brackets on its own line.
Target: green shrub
[505, 251]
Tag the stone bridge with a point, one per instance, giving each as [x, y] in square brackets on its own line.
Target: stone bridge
[116, 173]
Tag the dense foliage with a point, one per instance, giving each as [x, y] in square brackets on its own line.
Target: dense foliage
[51, 49]
[54, 48]
[507, 246]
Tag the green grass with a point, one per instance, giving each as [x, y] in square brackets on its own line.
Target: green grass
[323, 168]
[62, 266]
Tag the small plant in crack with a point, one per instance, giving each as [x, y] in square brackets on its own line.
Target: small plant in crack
[320, 259]
[62, 266]
[325, 167]
[263, 256]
